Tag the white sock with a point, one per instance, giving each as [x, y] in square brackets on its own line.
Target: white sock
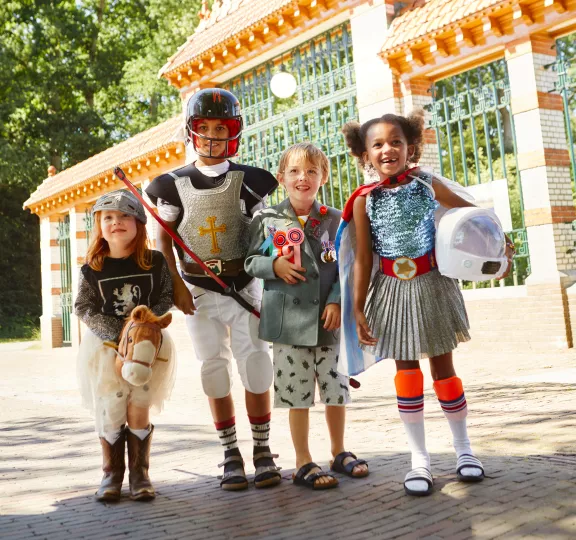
[420, 457]
[462, 444]
[141, 433]
[411, 383]
[460, 437]
[112, 436]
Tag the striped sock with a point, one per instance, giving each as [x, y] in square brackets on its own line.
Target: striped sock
[410, 393]
[227, 432]
[260, 429]
[450, 393]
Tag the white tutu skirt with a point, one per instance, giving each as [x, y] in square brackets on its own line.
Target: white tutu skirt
[107, 395]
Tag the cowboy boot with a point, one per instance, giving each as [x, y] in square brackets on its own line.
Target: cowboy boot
[141, 488]
[113, 465]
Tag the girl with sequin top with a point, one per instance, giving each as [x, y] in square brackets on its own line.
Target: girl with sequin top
[407, 311]
[121, 273]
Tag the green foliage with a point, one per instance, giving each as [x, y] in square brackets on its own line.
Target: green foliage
[19, 253]
[76, 76]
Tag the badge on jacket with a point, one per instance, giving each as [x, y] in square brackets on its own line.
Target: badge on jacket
[328, 254]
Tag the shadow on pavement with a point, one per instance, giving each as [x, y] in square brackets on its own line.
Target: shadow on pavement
[532, 496]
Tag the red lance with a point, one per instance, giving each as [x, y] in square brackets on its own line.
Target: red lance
[228, 291]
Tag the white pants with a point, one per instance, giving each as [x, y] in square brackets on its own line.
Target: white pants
[222, 329]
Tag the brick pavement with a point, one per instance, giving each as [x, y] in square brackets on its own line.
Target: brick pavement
[521, 422]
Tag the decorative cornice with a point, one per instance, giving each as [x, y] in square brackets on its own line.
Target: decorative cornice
[162, 158]
[476, 33]
[245, 43]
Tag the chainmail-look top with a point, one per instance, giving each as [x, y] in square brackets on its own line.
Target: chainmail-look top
[106, 298]
[213, 223]
[402, 219]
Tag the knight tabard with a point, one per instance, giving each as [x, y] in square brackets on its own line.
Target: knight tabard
[212, 221]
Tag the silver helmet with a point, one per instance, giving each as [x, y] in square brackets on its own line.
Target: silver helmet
[121, 200]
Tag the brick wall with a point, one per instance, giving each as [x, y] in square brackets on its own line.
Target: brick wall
[57, 332]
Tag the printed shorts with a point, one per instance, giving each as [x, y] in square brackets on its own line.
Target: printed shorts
[296, 371]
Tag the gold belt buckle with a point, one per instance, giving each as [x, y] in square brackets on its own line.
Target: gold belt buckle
[404, 268]
[215, 265]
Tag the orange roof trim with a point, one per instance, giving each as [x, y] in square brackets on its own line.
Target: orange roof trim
[243, 29]
[221, 25]
[142, 150]
[423, 36]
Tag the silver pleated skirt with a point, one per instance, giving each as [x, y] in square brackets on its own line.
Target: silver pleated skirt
[420, 318]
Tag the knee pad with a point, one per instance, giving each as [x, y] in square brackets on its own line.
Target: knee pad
[216, 377]
[450, 393]
[410, 394]
[258, 373]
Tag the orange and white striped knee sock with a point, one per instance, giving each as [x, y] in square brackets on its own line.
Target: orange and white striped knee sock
[450, 393]
[410, 393]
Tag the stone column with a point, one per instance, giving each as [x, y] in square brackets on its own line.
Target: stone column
[51, 318]
[544, 168]
[78, 248]
[376, 86]
[543, 160]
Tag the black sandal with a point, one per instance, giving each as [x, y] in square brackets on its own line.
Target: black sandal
[234, 480]
[338, 465]
[304, 478]
[266, 475]
[472, 462]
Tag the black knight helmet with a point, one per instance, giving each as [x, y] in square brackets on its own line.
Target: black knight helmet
[214, 104]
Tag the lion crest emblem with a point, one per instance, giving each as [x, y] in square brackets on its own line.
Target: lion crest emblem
[127, 298]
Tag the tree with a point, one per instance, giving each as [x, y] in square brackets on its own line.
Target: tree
[76, 76]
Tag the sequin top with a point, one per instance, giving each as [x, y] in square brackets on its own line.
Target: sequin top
[402, 219]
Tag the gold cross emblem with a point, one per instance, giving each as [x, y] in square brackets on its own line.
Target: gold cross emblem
[212, 230]
[404, 268]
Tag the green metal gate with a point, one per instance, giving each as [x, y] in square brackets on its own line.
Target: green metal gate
[325, 99]
[65, 278]
[88, 225]
[474, 126]
[566, 87]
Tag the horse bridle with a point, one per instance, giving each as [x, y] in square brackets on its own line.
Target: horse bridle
[153, 326]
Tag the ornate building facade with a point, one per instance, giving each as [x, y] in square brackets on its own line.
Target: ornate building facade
[494, 76]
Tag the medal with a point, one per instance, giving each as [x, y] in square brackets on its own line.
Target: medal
[328, 254]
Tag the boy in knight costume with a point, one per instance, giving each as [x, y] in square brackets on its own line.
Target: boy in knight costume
[210, 204]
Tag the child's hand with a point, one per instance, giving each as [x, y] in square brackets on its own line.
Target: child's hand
[183, 298]
[288, 271]
[332, 316]
[363, 330]
[510, 252]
